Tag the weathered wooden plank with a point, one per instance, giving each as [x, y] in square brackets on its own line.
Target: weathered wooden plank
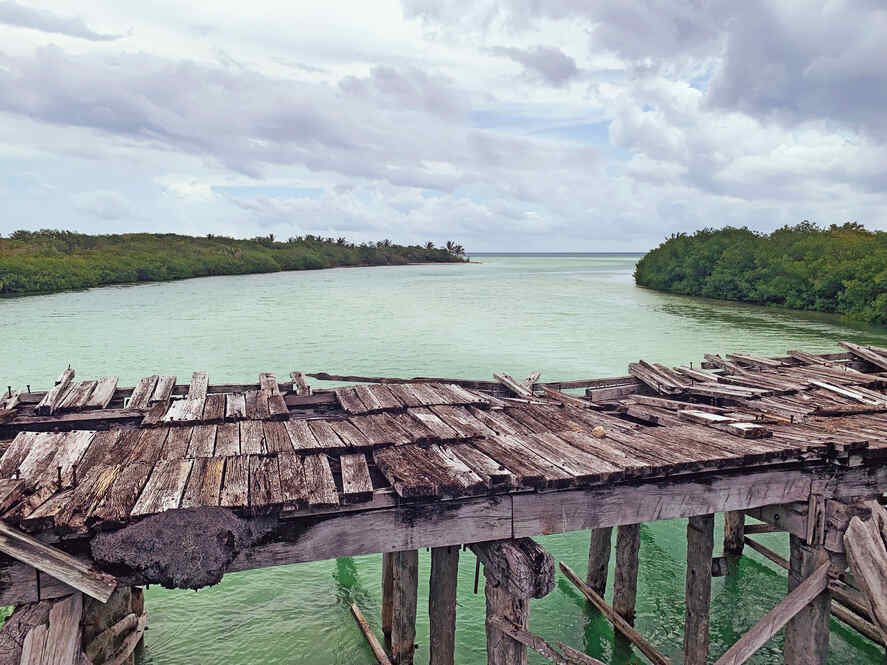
[177, 443]
[43, 450]
[193, 409]
[164, 488]
[103, 393]
[214, 408]
[375, 646]
[235, 406]
[349, 400]
[11, 491]
[385, 398]
[348, 433]
[301, 436]
[204, 483]
[268, 382]
[277, 406]
[227, 440]
[77, 395]
[150, 444]
[264, 481]
[199, 385]
[177, 411]
[263, 409]
[90, 490]
[162, 389]
[142, 392]
[126, 487]
[202, 442]
[357, 485]
[513, 385]
[484, 466]
[252, 437]
[368, 398]
[235, 485]
[64, 634]
[439, 428]
[326, 437]
[319, 483]
[866, 354]
[50, 401]
[56, 563]
[293, 490]
[16, 453]
[277, 439]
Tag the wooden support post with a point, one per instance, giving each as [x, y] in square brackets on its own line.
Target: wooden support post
[442, 604]
[734, 532]
[403, 626]
[387, 597]
[502, 649]
[625, 577]
[599, 559]
[700, 546]
[514, 572]
[806, 635]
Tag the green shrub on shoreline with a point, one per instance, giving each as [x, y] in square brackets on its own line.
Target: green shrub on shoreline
[839, 269]
[48, 261]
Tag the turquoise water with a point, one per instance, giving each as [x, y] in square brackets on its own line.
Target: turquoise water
[569, 316]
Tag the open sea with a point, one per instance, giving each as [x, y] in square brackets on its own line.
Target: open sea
[571, 316]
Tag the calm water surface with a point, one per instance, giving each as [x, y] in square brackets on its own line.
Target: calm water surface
[569, 316]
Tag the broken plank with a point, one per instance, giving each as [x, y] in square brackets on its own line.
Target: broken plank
[198, 387]
[356, 483]
[58, 564]
[103, 393]
[142, 392]
[162, 389]
[235, 406]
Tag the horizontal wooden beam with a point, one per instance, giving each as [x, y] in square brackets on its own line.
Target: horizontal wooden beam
[522, 567]
[60, 565]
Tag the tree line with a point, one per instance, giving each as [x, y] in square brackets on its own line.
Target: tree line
[839, 269]
[47, 261]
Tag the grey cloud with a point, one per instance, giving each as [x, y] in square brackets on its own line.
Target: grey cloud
[388, 127]
[811, 62]
[547, 63]
[409, 88]
[12, 13]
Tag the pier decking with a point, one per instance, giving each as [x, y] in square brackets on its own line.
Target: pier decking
[104, 488]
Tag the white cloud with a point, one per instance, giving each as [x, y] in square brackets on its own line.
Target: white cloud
[498, 123]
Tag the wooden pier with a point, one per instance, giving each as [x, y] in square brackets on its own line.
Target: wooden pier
[104, 489]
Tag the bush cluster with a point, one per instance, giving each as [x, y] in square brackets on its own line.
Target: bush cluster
[836, 269]
[47, 261]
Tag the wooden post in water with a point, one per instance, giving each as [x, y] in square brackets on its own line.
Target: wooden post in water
[442, 604]
[625, 577]
[734, 532]
[806, 635]
[599, 559]
[700, 547]
[502, 649]
[387, 597]
[405, 590]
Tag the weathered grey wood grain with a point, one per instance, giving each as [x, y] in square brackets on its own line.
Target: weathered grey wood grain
[405, 597]
[199, 384]
[63, 636]
[235, 486]
[442, 588]
[204, 483]
[357, 485]
[164, 488]
[700, 547]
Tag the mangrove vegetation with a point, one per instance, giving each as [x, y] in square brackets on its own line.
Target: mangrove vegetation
[839, 269]
[47, 261]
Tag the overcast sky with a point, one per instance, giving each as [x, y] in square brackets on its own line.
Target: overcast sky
[534, 125]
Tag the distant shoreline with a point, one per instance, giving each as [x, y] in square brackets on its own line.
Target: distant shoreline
[45, 262]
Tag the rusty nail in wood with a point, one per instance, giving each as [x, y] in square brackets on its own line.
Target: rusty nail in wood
[59, 471]
[74, 475]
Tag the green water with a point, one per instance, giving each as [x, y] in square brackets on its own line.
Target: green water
[570, 317]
